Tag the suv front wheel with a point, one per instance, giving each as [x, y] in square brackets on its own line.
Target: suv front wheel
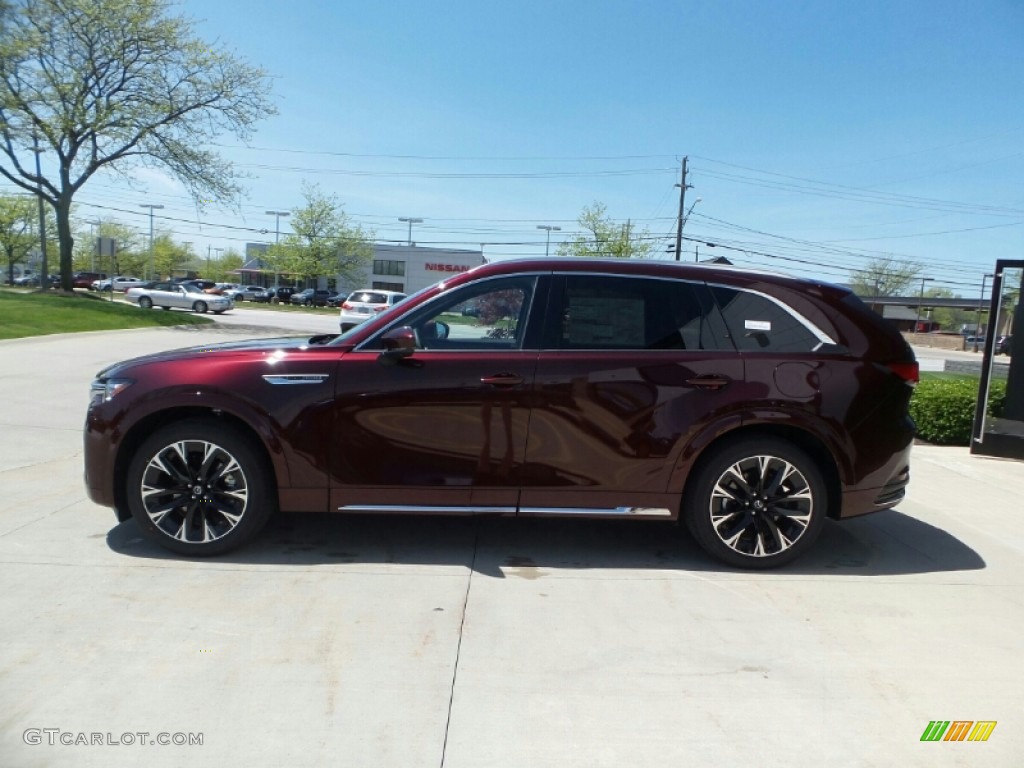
[756, 503]
[199, 488]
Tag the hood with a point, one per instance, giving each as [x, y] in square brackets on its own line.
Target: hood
[252, 345]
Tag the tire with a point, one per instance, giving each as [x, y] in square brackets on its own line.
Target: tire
[166, 309]
[756, 502]
[145, 302]
[199, 306]
[347, 327]
[235, 498]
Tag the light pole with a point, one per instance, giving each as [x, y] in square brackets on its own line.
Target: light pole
[549, 229]
[218, 251]
[277, 238]
[44, 273]
[149, 268]
[920, 299]
[410, 221]
[95, 242]
[977, 325]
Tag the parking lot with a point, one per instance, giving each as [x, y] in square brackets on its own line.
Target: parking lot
[363, 641]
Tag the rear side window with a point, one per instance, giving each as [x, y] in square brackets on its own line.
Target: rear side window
[610, 312]
[758, 324]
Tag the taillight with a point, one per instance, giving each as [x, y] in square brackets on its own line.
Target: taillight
[379, 309]
[909, 372]
[346, 305]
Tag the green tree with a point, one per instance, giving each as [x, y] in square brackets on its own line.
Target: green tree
[222, 268]
[885, 277]
[131, 250]
[17, 216]
[168, 256]
[105, 84]
[324, 242]
[603, 237]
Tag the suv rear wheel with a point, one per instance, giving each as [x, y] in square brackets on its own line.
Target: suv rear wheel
[756, 503]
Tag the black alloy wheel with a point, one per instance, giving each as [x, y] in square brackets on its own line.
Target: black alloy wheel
[756, 503]
[199, 488]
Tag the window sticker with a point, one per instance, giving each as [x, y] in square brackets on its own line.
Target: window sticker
[757, 325]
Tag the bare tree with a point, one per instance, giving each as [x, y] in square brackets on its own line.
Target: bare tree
[97, 84]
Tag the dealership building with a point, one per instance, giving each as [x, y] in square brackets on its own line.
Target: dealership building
[404, 268]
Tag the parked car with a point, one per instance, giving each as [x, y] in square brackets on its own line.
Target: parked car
[179, 295]
[86, 279]
[26, 279]
[749, 405]
[118, 283]
[281, 293]
[1003, 344]
[364, 304]
[205, 286]
[311, 297]
[244, 292]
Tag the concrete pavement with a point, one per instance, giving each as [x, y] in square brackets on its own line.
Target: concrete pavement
[408, 642]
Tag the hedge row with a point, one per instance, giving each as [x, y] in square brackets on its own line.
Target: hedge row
[944, 408]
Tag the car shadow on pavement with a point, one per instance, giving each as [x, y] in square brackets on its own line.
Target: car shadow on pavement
[885, 543]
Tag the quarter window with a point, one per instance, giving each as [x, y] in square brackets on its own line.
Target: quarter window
[757, 324]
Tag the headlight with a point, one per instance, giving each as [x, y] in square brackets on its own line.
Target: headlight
[102, 390]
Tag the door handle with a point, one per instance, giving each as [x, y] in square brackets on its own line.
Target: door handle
[502, 380]
[710, 381]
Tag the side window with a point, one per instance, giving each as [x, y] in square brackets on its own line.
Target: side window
[498, 321]
[608, 312]
[757, 324]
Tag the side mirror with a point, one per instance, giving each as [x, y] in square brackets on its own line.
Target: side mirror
[398, 343]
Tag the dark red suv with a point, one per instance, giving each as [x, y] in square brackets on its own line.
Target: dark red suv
[752, 406]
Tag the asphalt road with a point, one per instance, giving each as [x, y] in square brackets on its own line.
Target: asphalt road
[469, 643]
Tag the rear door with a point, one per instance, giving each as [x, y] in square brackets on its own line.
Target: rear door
[632, 368]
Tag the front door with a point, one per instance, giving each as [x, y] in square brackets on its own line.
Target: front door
[445, 429]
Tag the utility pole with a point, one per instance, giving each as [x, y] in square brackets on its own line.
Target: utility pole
[683, 186]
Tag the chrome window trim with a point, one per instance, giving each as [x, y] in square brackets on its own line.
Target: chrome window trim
[817, 332]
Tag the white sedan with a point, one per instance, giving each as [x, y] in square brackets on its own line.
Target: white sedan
[119, 283]
[167, 295]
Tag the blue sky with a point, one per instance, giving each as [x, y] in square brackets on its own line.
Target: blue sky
[819, 133]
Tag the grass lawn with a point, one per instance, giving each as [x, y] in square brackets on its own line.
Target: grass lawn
[35, 314]
[948, 376]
